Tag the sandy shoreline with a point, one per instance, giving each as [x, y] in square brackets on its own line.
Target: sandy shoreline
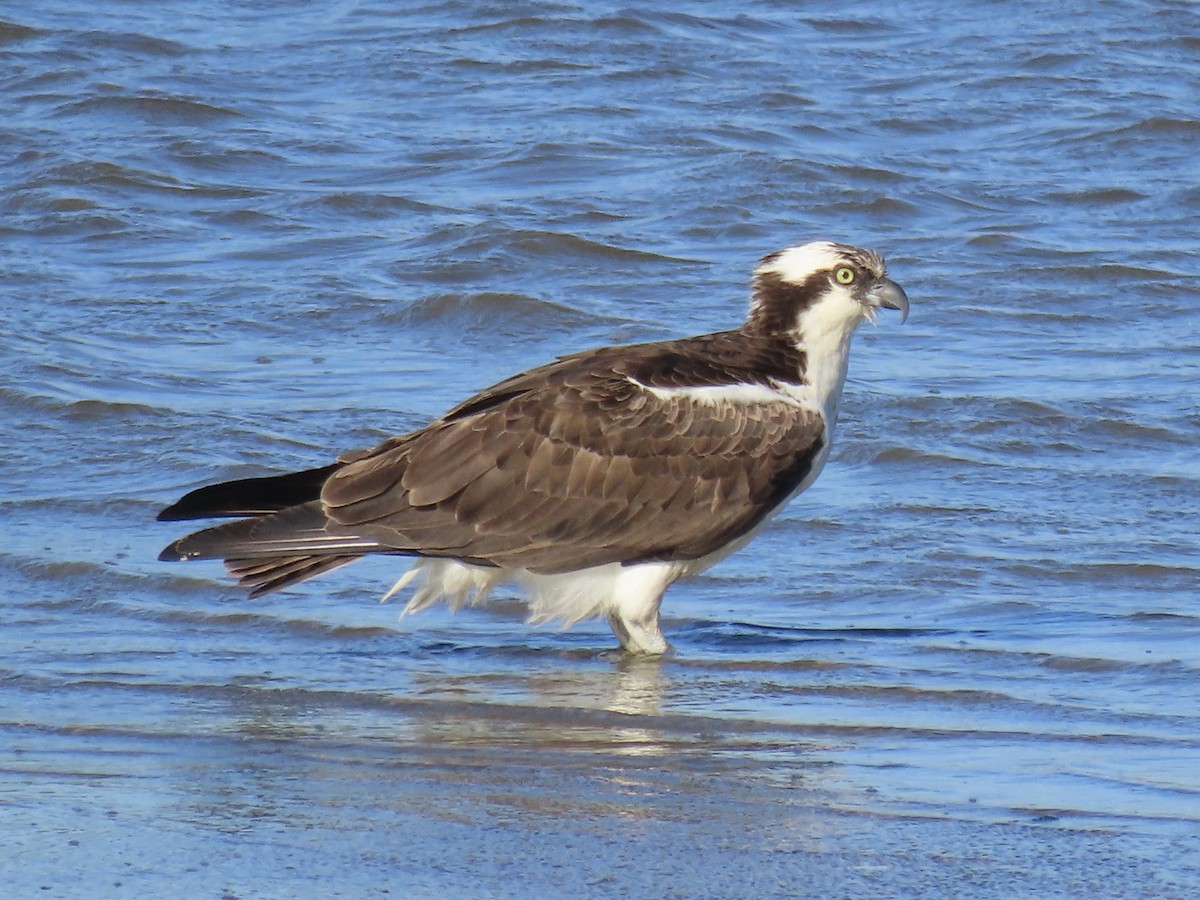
[108, 813]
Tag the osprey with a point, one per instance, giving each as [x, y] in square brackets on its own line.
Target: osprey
[593, 482]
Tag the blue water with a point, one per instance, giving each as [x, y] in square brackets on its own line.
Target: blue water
[236, 240]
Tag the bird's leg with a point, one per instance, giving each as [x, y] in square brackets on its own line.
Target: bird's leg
[639, 635]
[633, 615]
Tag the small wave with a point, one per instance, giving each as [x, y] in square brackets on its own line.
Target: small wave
[11, 32]
[1001, 658]
[485, 250]
[494, 311]
[538, 244]
[304, 628]
[904, 695]
[628, 25]
[1152, 130]
[882, 206]
[209, 157]
[1099, 196]
[151, 109]
[897, 454]
[1044, 62]
[79, 410]
[1082, 664]
[107, 175]
[921, 510]
[1166, 617]
[463, 65]
[1108, 273]
[518, 24]
[44, 570]
[744, 635]
[955, 407]
[1158, 126]
[853, 26]
[83, 585]
[751, 664]
[1127, 430]
[126, 42]
[371, 205]
[1109, 574]
[994, 239]
[856, 173]
[223, 621]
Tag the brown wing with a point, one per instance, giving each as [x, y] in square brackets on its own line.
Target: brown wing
[574, 464]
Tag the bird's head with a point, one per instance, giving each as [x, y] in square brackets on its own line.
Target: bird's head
[821, 286]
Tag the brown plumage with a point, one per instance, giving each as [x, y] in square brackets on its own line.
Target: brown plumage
[566, 466]
[655, 457]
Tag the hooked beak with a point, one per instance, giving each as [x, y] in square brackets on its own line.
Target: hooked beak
[889, 295]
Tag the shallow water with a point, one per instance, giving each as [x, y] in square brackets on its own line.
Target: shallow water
[235, 241]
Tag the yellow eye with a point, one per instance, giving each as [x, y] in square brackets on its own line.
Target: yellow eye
[844, 275]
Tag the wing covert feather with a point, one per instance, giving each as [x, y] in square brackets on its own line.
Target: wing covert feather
[576, 464]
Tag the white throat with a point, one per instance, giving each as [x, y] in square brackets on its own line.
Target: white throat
[824, 333]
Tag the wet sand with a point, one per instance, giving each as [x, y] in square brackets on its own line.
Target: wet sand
[519, 805]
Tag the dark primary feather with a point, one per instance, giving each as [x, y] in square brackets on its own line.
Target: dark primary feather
[566, 466]
[249, 496]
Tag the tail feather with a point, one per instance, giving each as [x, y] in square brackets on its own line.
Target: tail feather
[262, 576]
[250, 496]
[279, 538]
[298, 531]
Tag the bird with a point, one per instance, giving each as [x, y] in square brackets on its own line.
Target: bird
[591, 483]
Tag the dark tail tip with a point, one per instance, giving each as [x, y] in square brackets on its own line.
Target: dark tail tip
[171, 553]
[249, 496]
